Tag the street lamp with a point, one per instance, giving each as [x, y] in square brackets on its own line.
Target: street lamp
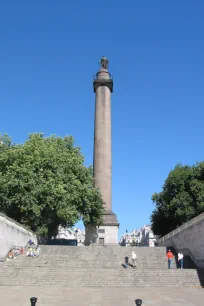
[76, 236]
[33, 301]
[138, 302]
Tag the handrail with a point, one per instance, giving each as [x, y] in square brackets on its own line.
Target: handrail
[182, 227]
[26, 228]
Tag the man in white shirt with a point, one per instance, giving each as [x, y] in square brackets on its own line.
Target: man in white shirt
[180, 259]
[134, 258]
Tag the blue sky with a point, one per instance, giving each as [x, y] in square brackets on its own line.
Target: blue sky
[48, 55]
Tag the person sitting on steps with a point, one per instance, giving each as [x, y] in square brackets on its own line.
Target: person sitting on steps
[30, 252]
[10, 255]
[126, 262]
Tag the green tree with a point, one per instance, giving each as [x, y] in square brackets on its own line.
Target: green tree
[44, 184]
[181, 198]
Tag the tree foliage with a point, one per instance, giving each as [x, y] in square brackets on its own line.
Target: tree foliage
[181, 198]
[44, 184]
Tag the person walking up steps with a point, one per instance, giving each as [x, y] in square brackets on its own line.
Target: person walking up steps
[180, 260]
[134, 258]
[170, 257]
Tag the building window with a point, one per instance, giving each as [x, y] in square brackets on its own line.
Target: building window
[101, 231]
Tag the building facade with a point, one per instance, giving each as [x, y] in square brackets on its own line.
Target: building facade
[71, 234]
[139, 237]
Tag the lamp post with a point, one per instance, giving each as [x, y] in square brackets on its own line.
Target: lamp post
[33, 301]
[76, 236]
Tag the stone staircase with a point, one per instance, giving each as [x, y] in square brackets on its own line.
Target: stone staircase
[69, 266]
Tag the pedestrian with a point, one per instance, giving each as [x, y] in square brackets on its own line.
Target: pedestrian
[126, 262]
[134, 258]
[30, 242]
[10, 255]
[170, 257]
[180, 260]
[21, 251]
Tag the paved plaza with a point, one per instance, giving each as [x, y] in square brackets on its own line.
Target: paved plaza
[61, 296]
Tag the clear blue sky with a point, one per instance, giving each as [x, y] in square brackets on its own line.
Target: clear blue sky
[48, 55]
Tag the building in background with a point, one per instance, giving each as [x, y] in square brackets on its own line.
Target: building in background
[139, 237]
[131, 238]
[148, 237]
[74, 234]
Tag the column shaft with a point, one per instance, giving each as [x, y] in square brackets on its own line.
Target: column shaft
[102, 145]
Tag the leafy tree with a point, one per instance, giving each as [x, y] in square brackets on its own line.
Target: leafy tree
[44, 184]
[5, 142]
[181, 198]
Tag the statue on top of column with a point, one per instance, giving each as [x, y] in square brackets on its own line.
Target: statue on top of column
[104, 62]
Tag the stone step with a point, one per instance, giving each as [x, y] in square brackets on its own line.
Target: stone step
[56, 250]
[65, 261]
[87, 278]
[83, 281]
[105, 284]
[75, 259]
[75, 267]
[94, 275]
[84, 269]
[103, 272]
[99, 259]
[87, 264]
[94, 265]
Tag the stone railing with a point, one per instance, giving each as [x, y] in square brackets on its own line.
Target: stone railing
[188, 238]
[13, 234]
[182, 227]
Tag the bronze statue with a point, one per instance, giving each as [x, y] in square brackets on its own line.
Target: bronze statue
[104, 62]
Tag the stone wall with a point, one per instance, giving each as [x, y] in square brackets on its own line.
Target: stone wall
[13, 234]
[188, 238]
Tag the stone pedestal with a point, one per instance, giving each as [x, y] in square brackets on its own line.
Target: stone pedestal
[108, 231]
[106, 234]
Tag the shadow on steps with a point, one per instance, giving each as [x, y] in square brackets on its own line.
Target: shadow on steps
[200, 273]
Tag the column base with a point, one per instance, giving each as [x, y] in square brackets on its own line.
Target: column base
[105, 234]
[110, 219]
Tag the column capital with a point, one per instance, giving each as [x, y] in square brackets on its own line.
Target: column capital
[103, 82]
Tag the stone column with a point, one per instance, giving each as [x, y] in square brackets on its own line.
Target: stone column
[103, 87]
